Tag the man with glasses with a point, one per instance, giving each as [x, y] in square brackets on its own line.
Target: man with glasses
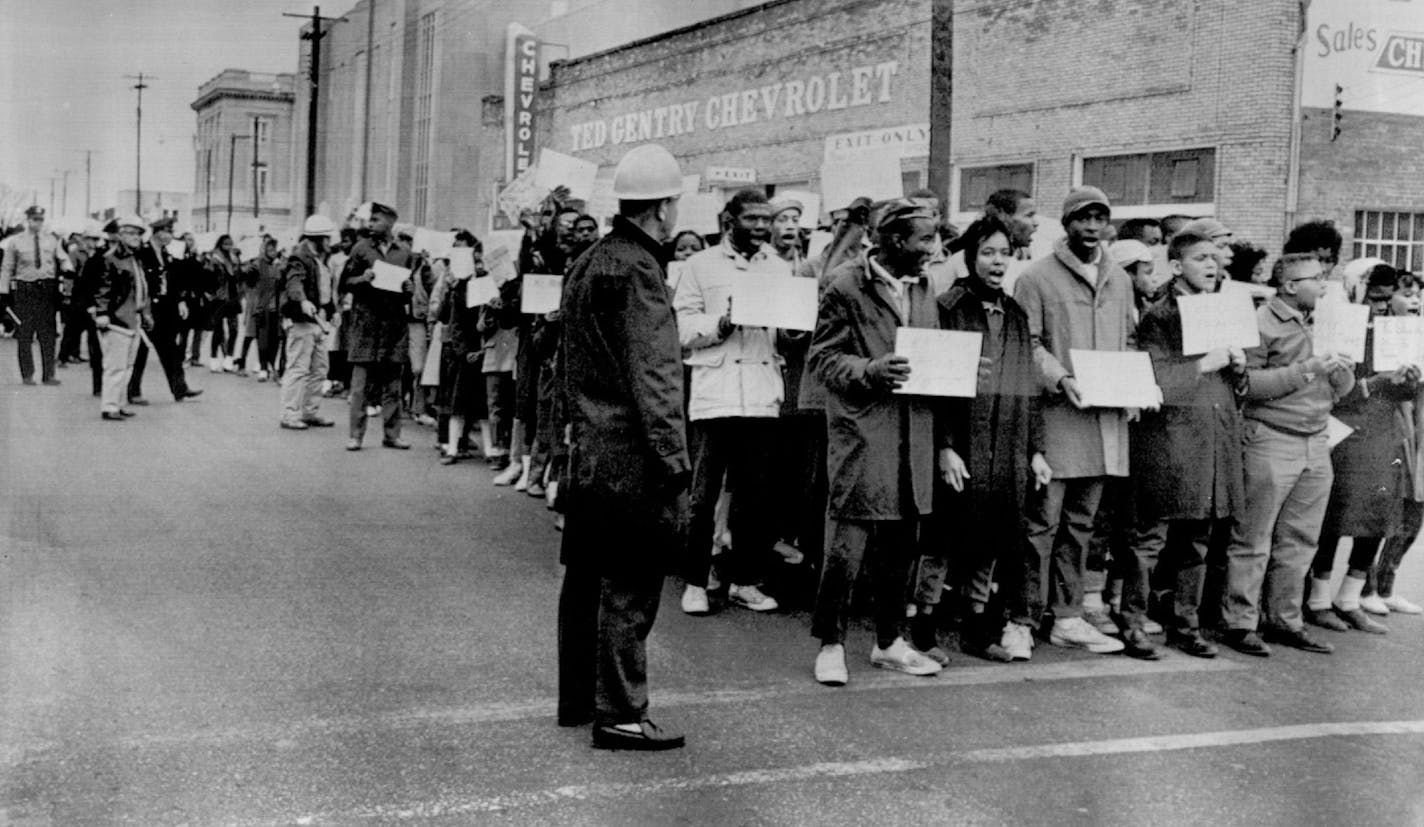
[1289, 396]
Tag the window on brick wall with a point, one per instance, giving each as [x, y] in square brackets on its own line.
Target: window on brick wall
[1396, 237]
[1185, 176]
[976, 184]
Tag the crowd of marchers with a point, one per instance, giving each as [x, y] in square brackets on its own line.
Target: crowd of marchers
[768, 466]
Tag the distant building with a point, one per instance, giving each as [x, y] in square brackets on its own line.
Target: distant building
[156, 205]
[244, 155]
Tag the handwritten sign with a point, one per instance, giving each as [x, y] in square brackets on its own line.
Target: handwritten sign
[499, 263]
[541, 293]
[436, 244]
[942, 362]
[1341, 328]
[176, 248]
[480, 291]
[250, 247]
[786, 302]
[1215, 320]
[875, 176]
[389, 277]
[462, 262]
[1399, 341]
[1257, 292]
[559, 170]
[1115, 378]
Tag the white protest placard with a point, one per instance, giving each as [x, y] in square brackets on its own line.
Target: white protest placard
[1215, 320]
[430, 371]
[176, 248]
[519, 195]
[462, 262]
[556, 169]
[205, 242]
[810, 206]
[1336, 432]
[1341, 328]
[499, 263]
[874, 175]
[480, 291]
[250, 247]
[435, 243]
[1399, 341]
[1115, 378]
[785, 302]
[1249, 288]
[942, 362]
[699, 212]
[1334, 292]
[389, 277]
[541, 293]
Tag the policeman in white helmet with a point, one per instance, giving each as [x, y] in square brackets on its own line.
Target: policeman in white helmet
[628, 463]
[307, 297]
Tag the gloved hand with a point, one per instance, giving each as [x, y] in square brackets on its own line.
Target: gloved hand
[888, 371]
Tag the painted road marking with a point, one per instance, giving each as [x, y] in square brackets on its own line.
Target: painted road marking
[543, 708]
[851, 769]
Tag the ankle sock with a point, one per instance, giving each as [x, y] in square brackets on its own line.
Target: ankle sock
[1319, 599]
[1349, 597]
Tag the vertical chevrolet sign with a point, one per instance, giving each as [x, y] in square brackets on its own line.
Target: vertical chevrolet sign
[521, 83]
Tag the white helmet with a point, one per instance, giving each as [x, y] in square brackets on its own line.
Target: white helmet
[132, 221]
[647, 173]
[318, 225]
[93, 229]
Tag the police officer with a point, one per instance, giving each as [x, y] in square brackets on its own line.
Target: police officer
[628, 463]
[169, 311]
[29, 280]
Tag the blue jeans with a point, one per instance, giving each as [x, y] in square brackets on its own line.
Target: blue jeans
[1287, 488]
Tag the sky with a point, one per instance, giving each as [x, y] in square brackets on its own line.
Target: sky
[63, 88]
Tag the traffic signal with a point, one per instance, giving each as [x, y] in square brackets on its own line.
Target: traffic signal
[1339, 112]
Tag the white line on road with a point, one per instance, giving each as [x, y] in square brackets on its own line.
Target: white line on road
[879, 766]
[539, 708]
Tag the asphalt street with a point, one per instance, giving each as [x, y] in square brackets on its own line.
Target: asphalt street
[208, 620]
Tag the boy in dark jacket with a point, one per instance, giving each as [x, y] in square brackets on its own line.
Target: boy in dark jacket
[1186, 458]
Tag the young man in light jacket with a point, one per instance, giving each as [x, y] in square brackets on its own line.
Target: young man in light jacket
[736, 397]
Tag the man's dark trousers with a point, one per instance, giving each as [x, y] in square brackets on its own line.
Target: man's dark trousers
[165, 338]
[36, 303]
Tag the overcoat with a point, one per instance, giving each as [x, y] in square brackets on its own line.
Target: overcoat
[623, 389]
[1372, 470]
[998, 431]
[377, 328]
[880, 451]
[1187, 461]
[1068, 309]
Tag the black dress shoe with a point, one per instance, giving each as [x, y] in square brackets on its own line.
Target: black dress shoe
[648, 737]
[51, 382]
[111, 416]
[1192, 643]
[1246, 642]
[1136, 644]
[1297, 639]
[399, 445]
[139, 401]
[573, 719]
[30, 380]
[1325, 619]
[1357, 619]
[190, 393]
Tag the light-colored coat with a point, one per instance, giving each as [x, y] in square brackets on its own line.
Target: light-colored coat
[1066, 310]
[739, 376]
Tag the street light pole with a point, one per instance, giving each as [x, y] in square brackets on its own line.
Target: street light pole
[256, 144]
[88, 173]
[138, 145]
[314, 78]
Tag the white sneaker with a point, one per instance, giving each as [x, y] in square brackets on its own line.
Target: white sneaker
[1399, 604]
[262, 376]
[1375, 605]
[1075, 633]
[831, 665]
[1017, 640]
[902, 658]
[751, 597]
[215, 365]
[510, 475]
[694, 600]
[790, 555]
[1152, 627]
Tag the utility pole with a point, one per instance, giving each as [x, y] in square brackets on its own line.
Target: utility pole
[256, 143]
[231, 163]
[314, 78]
[208, 191]
[138, 146]
[88, 174]
[366, 107]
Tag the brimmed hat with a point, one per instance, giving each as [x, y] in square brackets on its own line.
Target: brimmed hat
[781, 206]
[900, 209]
[1129, 251]
[382, 209]
[1207, 228]
[35, 211]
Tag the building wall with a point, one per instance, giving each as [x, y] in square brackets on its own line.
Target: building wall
[1053, 81]
[704, 69]
[225, 107]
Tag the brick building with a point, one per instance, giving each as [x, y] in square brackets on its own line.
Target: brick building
[1203, 108]
[243, 169]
